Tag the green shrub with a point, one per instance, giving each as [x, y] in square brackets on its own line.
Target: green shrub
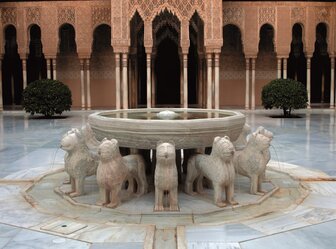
[286, 94]
[48, 97]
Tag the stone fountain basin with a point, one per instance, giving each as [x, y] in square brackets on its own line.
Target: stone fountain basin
[141, 129]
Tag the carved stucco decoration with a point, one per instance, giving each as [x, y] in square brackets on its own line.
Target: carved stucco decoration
[298, 14]
[33, 15]
[322, 14]
[66, 15]
[233, 15]
[267, 15]
[100, 15]
[182, 9]
[9, 15]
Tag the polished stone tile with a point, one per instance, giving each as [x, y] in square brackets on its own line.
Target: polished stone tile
[36, 240]
[224, 233]
[117, 245]
[213, 245]
[321, 236]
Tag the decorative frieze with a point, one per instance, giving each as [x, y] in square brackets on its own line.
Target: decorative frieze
[298, 14]
[322, 14]
[33, 15]
[267, 15]
[9, 15]
[100, 15]
[233, 15]
[66, 15]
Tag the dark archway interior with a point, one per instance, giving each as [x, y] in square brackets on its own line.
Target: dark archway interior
[266, 43]
[36, 63]
[167, 71]
[102, 39]
[137, 42]
[167, 66]
[232, 43]
[297, 63]
[67, 39]
[11, 70]
[320, 64]
[196, 34]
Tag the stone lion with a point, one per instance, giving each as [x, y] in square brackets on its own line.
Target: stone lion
[217, 167]
[136, 171]
[252, 160]
[79, 161]
[165, 177]
[111, 173]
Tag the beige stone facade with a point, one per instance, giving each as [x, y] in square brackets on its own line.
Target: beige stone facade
[196, 53]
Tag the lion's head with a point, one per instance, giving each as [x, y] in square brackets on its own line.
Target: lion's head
[259, 141]
[108, 149]
[223, 148]
[165, 152]
[72, 139]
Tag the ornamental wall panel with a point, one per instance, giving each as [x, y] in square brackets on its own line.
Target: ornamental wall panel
[100, 15]
[9, 16]
[33, 15]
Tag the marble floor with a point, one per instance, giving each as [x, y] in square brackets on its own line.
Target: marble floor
[29, 148]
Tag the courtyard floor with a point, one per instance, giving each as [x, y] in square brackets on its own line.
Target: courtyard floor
[303, 166]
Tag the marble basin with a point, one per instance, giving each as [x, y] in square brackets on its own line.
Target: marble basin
[189, 128]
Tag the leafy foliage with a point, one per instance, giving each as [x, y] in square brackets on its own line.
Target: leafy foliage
[286, 94]
[48, 97]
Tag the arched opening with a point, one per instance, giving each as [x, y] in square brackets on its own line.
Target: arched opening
[320, 64]
[12, 81]
[102, 67]
[167, 66]
[266, 63]
[297, 65]
[196, 36]
[36, 63]
[232, 74]
[68, 66]
[67, 44]
[138, 79]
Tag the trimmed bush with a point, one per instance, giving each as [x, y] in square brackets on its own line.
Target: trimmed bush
[47, 97]
[286, 94]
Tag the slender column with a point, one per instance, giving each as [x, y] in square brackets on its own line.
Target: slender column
[185, 80]
[308, 80]
[247, 84]
[209, 83]
[82, 83]
[125, 80]
[332, 83]
[216, 80]
[200, 81]
[117, 75]
[279, 68]
[253, 84]
[1, 101]
[48, 69]
[24, 72]
[285, 68]
[54, 68]
[149, 84]
[153, 97]
[88, 84]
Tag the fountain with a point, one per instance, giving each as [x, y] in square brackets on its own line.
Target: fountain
[186, 128]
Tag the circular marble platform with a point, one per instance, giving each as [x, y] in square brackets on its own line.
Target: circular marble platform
[48, 194]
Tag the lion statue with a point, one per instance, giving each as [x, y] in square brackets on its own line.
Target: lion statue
[136, 171]
[113, 170]
[111, 173]
[252, 160]
[165, 177]
[241, 141]
[80, 161]
[217, 167]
